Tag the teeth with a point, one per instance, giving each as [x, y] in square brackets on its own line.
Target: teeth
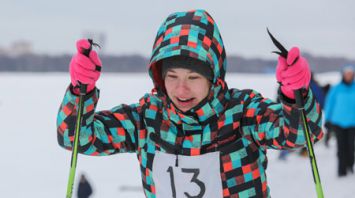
[184, 100]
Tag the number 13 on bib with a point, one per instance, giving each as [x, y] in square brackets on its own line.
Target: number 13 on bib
[195, 177]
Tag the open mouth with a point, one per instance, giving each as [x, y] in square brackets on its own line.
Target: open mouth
[184, 104]
[185, 100]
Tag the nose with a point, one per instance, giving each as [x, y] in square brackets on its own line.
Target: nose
[182, 87]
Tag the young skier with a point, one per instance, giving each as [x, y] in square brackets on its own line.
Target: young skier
[193, 136]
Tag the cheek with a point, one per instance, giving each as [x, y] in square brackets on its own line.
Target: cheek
[167, 87]
[202, 89]
[206, 90]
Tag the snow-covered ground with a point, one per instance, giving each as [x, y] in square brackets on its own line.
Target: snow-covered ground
[33, 165]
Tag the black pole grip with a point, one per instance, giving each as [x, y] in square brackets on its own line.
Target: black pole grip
[299, 98]
[82, 88]
[86, 52]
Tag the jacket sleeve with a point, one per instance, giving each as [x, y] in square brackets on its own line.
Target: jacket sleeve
[279, 125]
[103, 132]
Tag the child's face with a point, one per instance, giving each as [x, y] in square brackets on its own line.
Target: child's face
[186, 88]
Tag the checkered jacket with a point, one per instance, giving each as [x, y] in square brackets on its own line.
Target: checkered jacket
[240, 124]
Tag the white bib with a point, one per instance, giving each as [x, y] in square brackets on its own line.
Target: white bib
[195, 176]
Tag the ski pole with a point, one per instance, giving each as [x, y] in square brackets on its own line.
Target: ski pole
[300, 105]
[79, 119]
[74, 156]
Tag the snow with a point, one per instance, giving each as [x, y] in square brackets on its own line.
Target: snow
[33, 165]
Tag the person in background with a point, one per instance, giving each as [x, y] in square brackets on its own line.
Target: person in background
[340, 117]
[318, 90]
[193, 135]
[84, 187]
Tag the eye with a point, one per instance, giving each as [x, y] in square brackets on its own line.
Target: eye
[173, 76]
[194, 77]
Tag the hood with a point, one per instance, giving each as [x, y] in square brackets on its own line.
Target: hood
[346, 69]
[194, 34]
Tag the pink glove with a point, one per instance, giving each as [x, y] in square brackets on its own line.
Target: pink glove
[293, 73]
[82, 68]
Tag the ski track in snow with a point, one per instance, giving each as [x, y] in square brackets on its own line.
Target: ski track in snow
[33, 165]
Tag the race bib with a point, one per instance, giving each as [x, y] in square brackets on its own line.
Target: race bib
[195, 177]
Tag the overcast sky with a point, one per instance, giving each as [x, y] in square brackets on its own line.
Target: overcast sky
[322, 27]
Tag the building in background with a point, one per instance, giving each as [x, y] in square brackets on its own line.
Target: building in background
[17, 48]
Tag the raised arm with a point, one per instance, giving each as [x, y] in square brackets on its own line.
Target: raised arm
[280, 125]
[101, 133]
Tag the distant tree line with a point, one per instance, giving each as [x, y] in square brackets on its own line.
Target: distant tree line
[138, 63]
